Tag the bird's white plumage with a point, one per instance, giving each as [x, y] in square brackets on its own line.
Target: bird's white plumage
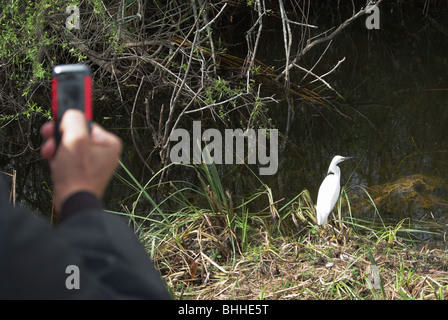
[329, 191]
[327, 197]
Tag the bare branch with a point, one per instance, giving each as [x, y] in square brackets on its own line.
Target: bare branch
[329, 37]
[214, 19]
[319, 78]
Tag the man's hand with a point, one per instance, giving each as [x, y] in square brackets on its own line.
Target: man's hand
[82, 162]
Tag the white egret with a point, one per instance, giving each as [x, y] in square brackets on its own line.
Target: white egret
[329, 191]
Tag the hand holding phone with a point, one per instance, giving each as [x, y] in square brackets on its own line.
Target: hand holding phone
[87, 155]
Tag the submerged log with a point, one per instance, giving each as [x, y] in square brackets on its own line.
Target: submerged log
[414, 195]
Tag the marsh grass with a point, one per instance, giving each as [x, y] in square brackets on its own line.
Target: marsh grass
[223, 249]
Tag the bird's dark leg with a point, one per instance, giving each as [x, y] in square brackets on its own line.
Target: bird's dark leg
[325, 232]
[334, 233]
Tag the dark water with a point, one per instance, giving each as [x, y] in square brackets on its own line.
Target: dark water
[393, 116]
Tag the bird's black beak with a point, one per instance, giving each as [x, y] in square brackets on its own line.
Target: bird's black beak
[348, 158]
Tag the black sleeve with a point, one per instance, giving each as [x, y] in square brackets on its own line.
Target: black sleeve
[80, 201]
[35, 260]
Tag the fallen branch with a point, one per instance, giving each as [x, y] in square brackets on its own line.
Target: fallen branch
[320, 78]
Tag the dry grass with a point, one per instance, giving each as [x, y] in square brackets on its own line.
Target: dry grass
[329, 264]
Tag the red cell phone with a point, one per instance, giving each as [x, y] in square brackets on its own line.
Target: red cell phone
[71, 88]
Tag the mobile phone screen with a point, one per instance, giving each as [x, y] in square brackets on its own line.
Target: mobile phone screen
[71, 89]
